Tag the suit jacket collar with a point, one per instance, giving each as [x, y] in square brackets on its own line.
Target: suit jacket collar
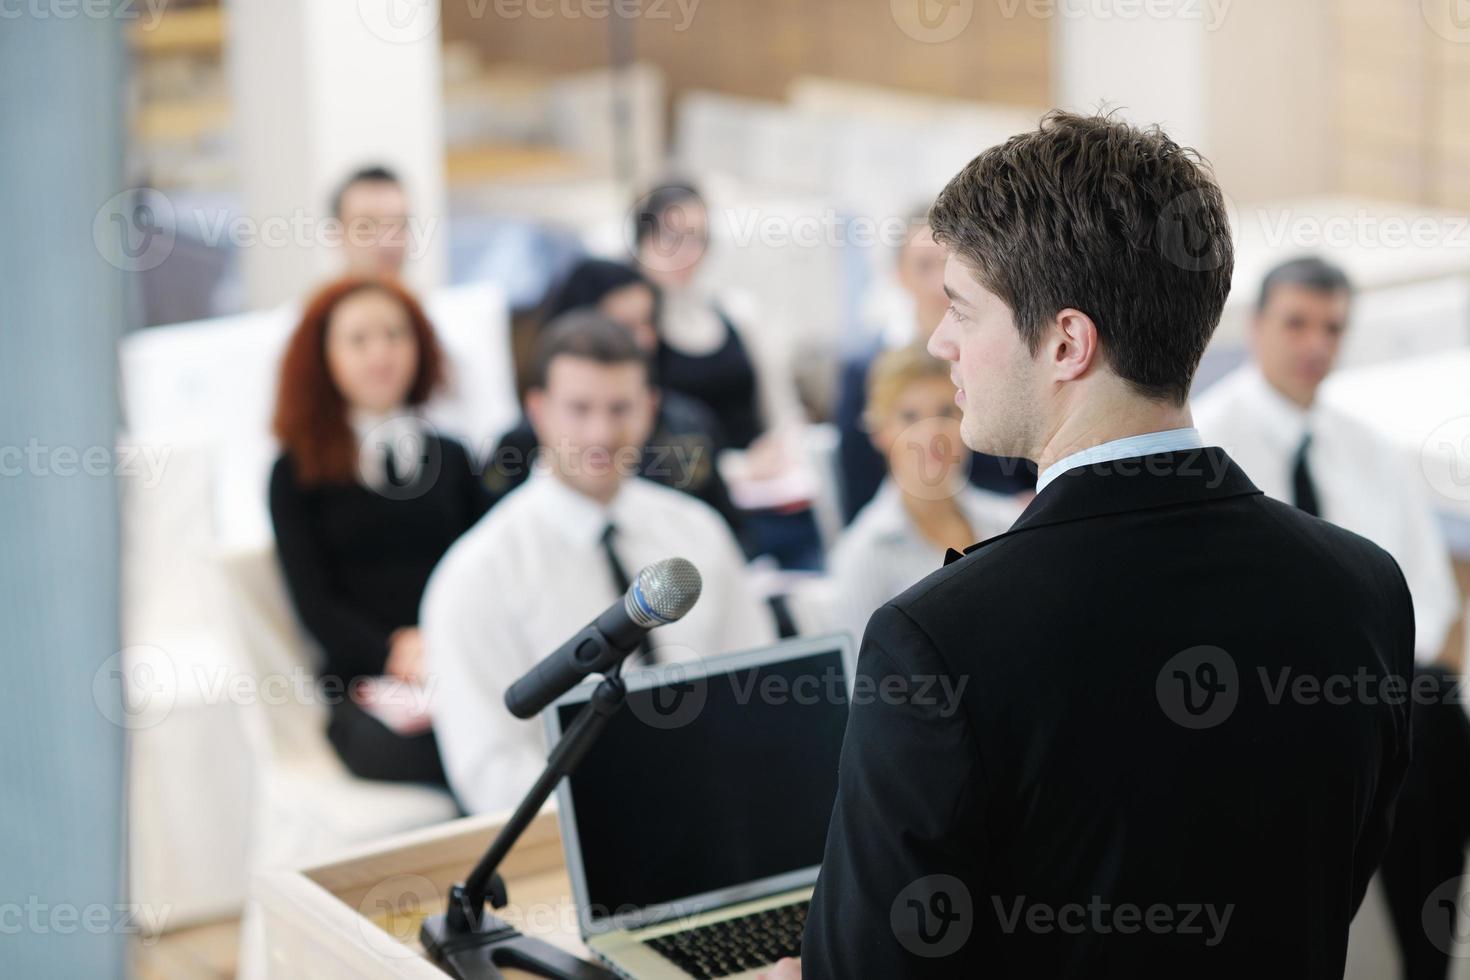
[1189, 476]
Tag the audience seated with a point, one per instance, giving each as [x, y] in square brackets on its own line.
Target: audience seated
[559, 550]
[365, 500]
[909, 319]
[709, 350]
[1267, 416]
[925, 505]
[686, 437]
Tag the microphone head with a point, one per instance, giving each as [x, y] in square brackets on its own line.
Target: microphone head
[664, 592]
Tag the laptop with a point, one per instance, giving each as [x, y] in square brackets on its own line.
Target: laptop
[695, 826]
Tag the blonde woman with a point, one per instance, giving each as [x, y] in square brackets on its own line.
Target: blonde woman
[926, 503]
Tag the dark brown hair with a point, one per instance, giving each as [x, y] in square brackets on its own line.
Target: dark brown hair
[1308, 272]
[589, 334]
[367, 175]
[1092, 214]
[311, 414]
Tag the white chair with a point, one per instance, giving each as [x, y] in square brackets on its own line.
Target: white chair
[189, 787]
[314, 804]
[307, 805]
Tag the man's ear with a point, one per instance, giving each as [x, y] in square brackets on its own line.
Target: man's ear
[1074, 344]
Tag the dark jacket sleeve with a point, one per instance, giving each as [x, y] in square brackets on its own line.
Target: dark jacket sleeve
[510, 462]
[900, 883]
[469, 481]
[1374, 839]
[861, 466]
[686, 424]
[353, 645]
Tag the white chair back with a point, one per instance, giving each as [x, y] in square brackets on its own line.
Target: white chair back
[276, 652]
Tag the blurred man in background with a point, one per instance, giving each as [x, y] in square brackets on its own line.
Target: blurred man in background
[1267, 415]
[373, 210]
[559, 550]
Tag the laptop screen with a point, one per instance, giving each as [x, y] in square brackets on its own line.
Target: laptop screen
[704, 784]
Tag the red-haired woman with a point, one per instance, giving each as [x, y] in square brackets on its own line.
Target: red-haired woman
[365, 500]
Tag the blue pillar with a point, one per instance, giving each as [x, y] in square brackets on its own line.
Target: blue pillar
[62, 895]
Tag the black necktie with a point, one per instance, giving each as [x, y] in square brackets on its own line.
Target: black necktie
[620, 577]
[390, 467]
[1304, 492]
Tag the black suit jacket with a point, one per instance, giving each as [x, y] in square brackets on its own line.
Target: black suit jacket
[1154, 730]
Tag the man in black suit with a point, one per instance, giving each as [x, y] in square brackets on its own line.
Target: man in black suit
[1182, 716]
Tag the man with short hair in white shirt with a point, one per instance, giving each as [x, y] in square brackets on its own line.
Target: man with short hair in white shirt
[559, 550]
[1267, 416]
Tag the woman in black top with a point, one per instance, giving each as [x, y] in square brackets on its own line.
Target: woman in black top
[671, 234]
[365, 500]
[686, 437]
[748, 386]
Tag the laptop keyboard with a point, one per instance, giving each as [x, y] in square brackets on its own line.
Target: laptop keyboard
[747, 943]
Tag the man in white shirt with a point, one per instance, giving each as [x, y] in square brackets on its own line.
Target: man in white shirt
[559, 550]
[1267, 416]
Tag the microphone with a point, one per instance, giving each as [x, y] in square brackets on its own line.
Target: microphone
[662, 594]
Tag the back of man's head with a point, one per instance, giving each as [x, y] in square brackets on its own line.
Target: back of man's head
[1092, 214]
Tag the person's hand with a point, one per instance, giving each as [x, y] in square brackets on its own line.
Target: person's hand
[787, 969]
[767, 457]
[406, 655]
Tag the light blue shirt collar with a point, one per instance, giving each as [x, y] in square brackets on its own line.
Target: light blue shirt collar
[1144, 444]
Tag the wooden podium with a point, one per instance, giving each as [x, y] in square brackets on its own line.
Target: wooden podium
[358, 916]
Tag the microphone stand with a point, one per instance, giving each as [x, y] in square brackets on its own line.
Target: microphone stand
[470, 944]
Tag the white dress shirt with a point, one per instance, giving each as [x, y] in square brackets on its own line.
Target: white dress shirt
[1363, 484]
[882, 552]
[528, 576]
[1128, 447]
[399, 431]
